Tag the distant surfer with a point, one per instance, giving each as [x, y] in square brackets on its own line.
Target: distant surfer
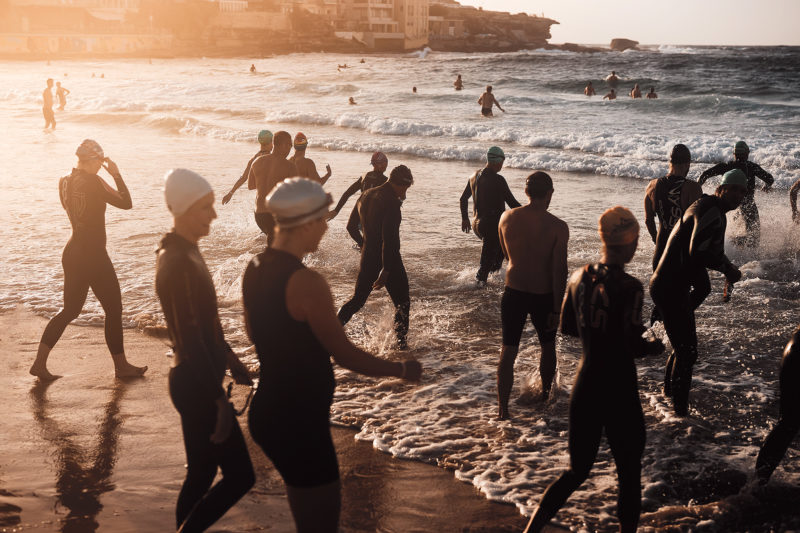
[458, 84]
[252, 68]
[47, 105]
[61, 94]
[487, 100]
[636, 92]
[652, 94]
[612, 79]
[305, 166]
[612, 95]
[265, 140]
[589, 90]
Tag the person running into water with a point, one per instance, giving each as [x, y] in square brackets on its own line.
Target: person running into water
[652, 94]
[611, 95]
[381, 263]
[61, 94]
[487, 100]
[603, 307]
[680, 282]
[211, 434]
[373, 178]
[636, 92]
[290, 318]
[535, 243]
[781, 436]
[589, 90]
[265, 140]
[612, 79]
[490, 193]
[458, 84]
[86, 264]
[305, 166]
[268, 171]
[748, 209]
[47, 105]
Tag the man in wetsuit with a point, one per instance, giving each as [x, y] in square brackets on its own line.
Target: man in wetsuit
[781, 436]
[211, 434]
[381, 264]
[47, 105]
[748, 209]
[268, 171]
[265, 140]
[373, 178]
[603, 307]
[490, 193]
[535, 243]
[305, 166]
[793, 200]
[680, 282]
[487, 100]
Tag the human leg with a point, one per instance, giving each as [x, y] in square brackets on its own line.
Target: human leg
[266, 223]
[316, 509]
[397, 287]
[626, 437]
[366, 277]
[354, 227]
[491, 253]
[782, 435]
[752, 223]
[540, 310]
[512, 317]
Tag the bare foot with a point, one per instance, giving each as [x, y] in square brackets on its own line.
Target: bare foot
[41, 372]
[127, 370]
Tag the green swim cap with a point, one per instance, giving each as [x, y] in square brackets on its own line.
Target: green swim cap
[741, 148]
[734, 177]
[265, 136]
[495, 153]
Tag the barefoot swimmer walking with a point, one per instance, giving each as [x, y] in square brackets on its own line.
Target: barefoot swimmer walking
[86, 264]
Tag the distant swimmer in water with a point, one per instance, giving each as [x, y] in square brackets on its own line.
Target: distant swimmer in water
[351, 101]
[652, 94]
[612, 95]
[362, 60]
[535, 243]
[252, 68]
[793, 200]
[612, 79]
[290, 317]
[212, 437]
[342, 66]
[490, 194]
[268, 171]
[414, 90]
[61, 94]
[782, 435]
[603, 307]
[265, 140]
[589, 90]
[47, 105]
[305, 166]
[487, 100]
[86, 264]
[458, 84]
[373, 178]
[636, 92]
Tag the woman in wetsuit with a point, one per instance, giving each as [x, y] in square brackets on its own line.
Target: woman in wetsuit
[291, 320]
[84, 196]
[603, 306]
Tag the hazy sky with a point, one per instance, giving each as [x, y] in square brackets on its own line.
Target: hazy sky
[736, 22]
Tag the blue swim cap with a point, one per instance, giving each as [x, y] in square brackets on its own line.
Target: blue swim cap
[734, 177]
[495, 153]
[264, 136]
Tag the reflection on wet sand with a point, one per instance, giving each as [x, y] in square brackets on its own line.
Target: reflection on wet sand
[82, 475]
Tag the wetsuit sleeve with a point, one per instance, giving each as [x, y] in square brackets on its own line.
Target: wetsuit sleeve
[762, 174]
[793, 195]
[717, 170]
[391, 239]
[509, 198]
[649, 210]
[707, 242]
[569, 320]
[351, 190]
[632, 323]
[465, 196]
[120, 198]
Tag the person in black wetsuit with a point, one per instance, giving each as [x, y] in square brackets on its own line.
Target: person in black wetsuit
[291, 320]
[84, 196]
[680, 282]
[748, 209]
[781, 436]
[490, 193]
[265, 140]
[373, 178]
[211, 434]
[603, 306]
[381, 263]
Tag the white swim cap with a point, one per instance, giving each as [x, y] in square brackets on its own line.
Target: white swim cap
[295, 201]
[89, 149]
[182, 188]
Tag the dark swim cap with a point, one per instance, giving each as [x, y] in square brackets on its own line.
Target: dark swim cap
[680, 154]
[401, 175]
[741, 148]
[734, 177]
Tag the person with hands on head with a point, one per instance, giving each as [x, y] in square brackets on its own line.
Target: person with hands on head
[373, 178]
[211, 434]
[290, 318]
[265, 140]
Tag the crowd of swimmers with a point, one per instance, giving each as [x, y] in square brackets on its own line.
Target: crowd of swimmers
[290, 316]
[612, 80]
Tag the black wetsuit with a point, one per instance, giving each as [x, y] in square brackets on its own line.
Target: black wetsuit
[379, 210]
[748, 207]
[668, 210]
[289, 416]
[490, 193]
[189, 302]
[366, 182]
[603, 306]
[781, 436]
[85, 260]
[680, 284]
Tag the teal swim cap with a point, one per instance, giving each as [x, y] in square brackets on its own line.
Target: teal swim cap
[495, 153]
[741, 148]
[265, 136]
[734, 177]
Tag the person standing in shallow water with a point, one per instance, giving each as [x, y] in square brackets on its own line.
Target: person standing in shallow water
[589, 90]
[265, 140]
[535, 243]
[290, 318]
[603, 307]
[86, 264]
[47, 105]
[61, 94]
[487, 100]
[211, 434]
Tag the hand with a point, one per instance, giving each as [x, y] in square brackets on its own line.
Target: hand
[111, 167]
[332, 214]
[224, 421]
[227, 198]
[239, 371]
[381, 281]
[413, 370]
[733, 275]
[766, 188]
[328, 169]
[465, 225]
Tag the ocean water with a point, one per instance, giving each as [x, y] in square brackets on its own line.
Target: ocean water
[203, 114]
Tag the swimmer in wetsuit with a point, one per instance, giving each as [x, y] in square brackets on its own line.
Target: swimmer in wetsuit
[490, 194]
[84, 196]
[211, 434]
[603, 306]
[680, 282]
[793, 200]
[535, 243]
[267, 171]
[305, 166]
[265, 140]
[373, 178]
[487, 100]
[381, 264]
[748, 209]
[291, 320]
[781, 436]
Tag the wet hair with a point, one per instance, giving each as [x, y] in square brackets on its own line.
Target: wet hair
[538, 184]
[488, 88]
[282, 137]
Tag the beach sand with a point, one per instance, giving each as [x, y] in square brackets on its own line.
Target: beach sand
[88, 452]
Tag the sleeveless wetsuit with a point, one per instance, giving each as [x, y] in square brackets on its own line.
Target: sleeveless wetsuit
[86, 263]
[189, 302]
[289, 416]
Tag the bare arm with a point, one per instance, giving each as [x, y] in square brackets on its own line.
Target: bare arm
[119, 198]
[559, 266]
[501, 229]
[793, 198]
